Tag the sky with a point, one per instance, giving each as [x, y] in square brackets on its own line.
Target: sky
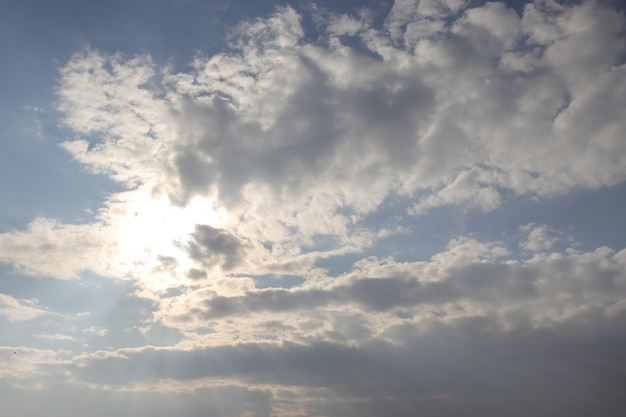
[287, 209]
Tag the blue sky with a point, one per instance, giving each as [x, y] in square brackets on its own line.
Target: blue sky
[371, 208]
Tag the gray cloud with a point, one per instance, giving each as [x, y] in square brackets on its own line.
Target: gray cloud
[220, 400]
[209, 246]
[579, 278]
[471, 364]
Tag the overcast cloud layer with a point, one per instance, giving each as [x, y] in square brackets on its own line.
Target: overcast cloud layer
[260, 257]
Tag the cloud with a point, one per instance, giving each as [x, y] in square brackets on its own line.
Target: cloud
[223, 400]
[286, 139]
[472, 364]
[50, 248]
[541, 238]
[56, 336]
[25, 363]
[300, 116]
[98, 331]
[19, 310]
[209, 245]
[469, 278]
[256, 173]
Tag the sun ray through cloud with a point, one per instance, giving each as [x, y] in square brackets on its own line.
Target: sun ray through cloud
[330, 209]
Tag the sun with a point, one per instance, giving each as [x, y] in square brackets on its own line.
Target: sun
[148, 230]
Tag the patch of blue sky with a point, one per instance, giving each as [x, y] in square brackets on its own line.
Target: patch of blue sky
[39, 179]
[88, 294]
[321, 242]
[337, 265]
[410, 238]
[590, 217]
[585, 219]
[78, 309]
[414, 237]
[404, 315]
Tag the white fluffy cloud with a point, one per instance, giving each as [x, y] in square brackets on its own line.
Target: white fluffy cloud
[50, 248]
[268, 161]
[293, 138]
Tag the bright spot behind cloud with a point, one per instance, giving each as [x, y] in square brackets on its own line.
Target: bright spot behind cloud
[275, 193]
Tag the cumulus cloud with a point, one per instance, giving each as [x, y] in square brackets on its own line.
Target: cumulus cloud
[300, 117]
[271, 160]
[541, 238]
[294, 138]
[50, 248]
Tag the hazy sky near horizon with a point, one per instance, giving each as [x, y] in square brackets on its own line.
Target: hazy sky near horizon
[354, 208]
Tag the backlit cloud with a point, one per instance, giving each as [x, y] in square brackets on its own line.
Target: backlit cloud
[272, 230]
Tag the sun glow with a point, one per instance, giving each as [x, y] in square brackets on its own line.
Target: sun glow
[151, 234]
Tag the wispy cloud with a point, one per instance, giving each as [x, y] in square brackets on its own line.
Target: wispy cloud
[98, 331]
[56, 336]
[19, 310]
